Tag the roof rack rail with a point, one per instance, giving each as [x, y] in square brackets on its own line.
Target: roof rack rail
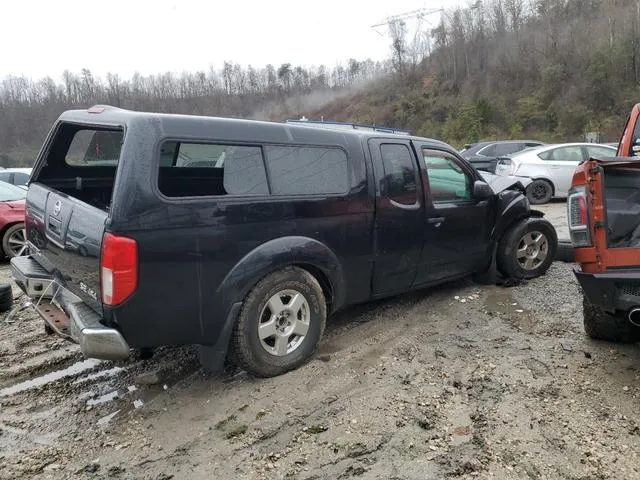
[347, 125]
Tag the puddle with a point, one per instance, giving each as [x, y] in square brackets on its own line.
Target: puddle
[107, 418]
[107, 397]
[48, 439]
[500, 301]
[112, 372]
[460, 420]
[51, 377]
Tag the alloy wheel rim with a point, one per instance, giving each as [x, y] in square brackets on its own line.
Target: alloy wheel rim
[284, 322]
[532, 251]
[18, 242]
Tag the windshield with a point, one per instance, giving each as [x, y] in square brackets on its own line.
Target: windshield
[10, 193]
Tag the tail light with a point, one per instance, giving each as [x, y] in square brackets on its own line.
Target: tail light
[509, 165]
[578, 217]
[118, 269]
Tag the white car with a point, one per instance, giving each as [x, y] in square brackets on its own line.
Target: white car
[550, 167]
[16, 176]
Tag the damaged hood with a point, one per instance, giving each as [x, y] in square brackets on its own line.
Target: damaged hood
[498, 183]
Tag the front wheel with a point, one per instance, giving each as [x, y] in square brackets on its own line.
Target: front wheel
[14, 241]
[527, 249]
[280, 323]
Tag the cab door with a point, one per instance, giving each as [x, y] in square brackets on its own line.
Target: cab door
[456, 226]
[398, 235]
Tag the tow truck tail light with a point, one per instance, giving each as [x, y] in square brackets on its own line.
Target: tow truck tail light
[578, 217]
[118, 269]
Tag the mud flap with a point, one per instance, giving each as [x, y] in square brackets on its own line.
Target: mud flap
[490, 275]
[212, 357]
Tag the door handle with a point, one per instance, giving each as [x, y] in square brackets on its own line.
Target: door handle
[437, 221]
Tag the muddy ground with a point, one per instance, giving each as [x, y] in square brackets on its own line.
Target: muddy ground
[461, 381]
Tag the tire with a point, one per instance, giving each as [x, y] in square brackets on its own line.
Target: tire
[523, 252]
[564, 253]
[539, 192]
[14, 241]
[268, 357]
[6, 297]
[602, 325]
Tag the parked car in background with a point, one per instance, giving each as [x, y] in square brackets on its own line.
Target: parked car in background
[16, 176]
[550, 167]
[12, 209]
[484, 155]
[251, 233]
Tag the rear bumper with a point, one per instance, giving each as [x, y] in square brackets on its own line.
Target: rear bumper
[612, 290]
[67, 314]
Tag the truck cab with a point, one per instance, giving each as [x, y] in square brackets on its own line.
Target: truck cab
[603, 210]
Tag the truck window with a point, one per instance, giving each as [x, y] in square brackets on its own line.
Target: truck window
[447, 181]
[399, 173]
[199, 169]
[307, 170]
[94, 148]
[82, 162]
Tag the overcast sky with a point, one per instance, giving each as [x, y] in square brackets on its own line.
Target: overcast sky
[45, 37]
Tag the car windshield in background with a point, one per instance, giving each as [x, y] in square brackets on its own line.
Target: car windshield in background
[9, 193]
[94, 148]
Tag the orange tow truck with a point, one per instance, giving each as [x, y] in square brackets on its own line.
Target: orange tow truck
[603, 209]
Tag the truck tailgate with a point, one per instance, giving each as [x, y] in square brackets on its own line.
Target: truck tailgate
[66, 235]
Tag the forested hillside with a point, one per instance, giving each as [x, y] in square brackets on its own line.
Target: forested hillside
[547, 69]
[28, 107]
[551, 69]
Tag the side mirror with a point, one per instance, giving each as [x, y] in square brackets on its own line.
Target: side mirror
[481, 190]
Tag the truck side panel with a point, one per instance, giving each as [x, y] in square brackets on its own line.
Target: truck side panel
[188, 246]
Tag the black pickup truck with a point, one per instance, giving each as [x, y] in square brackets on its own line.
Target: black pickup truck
[242, 236]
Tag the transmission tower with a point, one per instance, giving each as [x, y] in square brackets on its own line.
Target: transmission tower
[419, 14]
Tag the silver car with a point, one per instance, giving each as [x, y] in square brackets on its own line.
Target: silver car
[550, 167]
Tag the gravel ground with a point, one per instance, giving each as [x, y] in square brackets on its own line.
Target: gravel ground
[463, 381]
[556, 212]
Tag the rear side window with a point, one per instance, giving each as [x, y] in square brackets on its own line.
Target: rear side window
[507, 148]
[600, 152]
[488, 151]
[198, 169]
[90, 147]
[307, 170]
[568, 154]
[399, 173]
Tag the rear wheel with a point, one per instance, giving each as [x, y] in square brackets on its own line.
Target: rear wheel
[539, 192]
[280, 323]
[14, 241]
[602, 325]
[527, 249]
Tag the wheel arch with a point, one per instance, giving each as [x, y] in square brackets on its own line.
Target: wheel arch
[7, 226]
[303, 252]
